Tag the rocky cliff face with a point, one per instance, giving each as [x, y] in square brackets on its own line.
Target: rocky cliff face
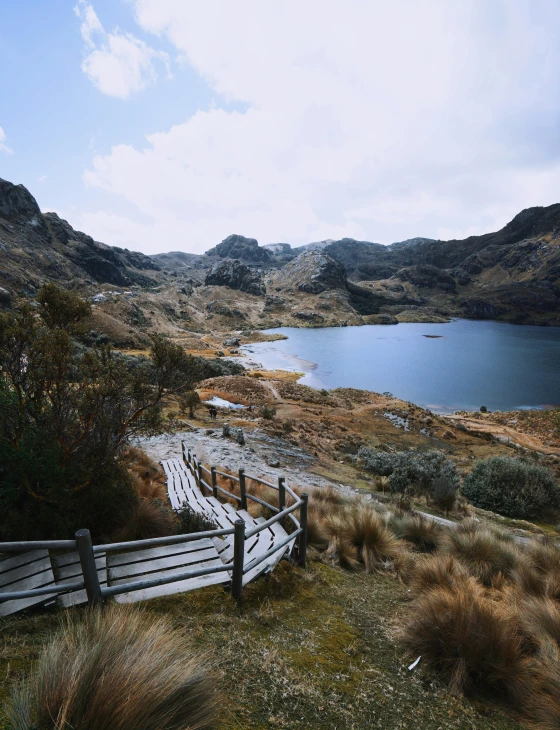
[236, 275]
[36, 248]
[313, 272]
[246, 250]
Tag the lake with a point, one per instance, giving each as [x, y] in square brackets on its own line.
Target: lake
[461, 365]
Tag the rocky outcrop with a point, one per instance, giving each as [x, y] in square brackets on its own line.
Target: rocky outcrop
[37, 248]
[241, 248]
[236, 275]
[425, 276]
[314, 272]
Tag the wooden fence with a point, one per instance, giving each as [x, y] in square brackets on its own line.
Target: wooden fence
[76, 571]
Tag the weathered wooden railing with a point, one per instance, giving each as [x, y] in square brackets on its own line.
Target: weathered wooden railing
[299, 531]
[88, 553]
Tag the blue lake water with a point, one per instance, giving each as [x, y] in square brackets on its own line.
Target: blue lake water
[462, 365]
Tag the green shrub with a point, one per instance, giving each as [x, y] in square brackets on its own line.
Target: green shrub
[512, 487]
[267, 412]
[483, 409]
[188, 521]
[427, 472]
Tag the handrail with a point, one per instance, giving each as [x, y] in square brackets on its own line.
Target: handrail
[141, 584]
[271, 551]
[18, 547]
[206, 469]
[155, 541]
[272, 520]
[227, 476]
[262, 502]
[45, 591]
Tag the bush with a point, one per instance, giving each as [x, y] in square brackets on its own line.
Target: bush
[268, 412]
[483, 409]
[188, 521]
[116, 668]
[512, 487]
[427, 472]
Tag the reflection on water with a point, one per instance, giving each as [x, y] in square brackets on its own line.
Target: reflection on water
[460, 365]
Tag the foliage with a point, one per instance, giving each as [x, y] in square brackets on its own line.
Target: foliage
[188, 521]
[512, 487]
[66, 413]
[422, 532]
[189, 401]
[114, 669]
[267, 412]
[483, 553]
[428, 473]
[483, 409]
[149, 518]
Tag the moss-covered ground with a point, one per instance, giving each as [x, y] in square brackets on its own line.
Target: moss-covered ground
[314, 648]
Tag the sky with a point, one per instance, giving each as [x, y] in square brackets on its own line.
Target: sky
[166, 125]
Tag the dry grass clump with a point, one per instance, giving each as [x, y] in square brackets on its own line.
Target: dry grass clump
[484, 554]
[438, 571]
[362, 527]
[148, 477]
[539, 693]
[470, 641]
[116, 669]
[422, 532]
[147, 520]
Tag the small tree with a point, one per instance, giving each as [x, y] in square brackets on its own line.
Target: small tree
[65, 414]
[189, 400]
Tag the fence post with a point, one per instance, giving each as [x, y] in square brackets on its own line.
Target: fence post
[199, 476]
[282, 499]
[302, 540]
[183, 450]
[89, 569]
[242, 489]
[214, 481]
[238, 558]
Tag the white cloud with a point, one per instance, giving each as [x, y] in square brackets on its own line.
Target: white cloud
[3, 145]
[372, 120]
[117, 63]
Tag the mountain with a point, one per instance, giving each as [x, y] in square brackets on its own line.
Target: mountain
[36, 248]
[512, 275]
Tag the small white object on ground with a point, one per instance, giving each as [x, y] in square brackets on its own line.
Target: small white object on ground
[414, 663]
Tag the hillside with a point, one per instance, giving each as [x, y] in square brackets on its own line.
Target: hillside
[512, 275]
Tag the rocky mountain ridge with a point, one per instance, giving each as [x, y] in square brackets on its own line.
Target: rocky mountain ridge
[512, 275]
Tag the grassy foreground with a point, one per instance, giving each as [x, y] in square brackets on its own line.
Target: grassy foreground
[307, 649]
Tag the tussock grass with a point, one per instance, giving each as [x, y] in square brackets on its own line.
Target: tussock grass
[470, 641]
[116, 669]
[148, 519]
[422, 532]
[484, 554]
[363, 528]
[438, 571]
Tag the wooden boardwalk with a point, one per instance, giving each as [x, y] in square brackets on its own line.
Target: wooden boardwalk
[242, 548]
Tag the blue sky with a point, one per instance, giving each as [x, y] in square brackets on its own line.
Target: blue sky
[168, 124]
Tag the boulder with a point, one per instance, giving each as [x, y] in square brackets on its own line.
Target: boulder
[236, 275]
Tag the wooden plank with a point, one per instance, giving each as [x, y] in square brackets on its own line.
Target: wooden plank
[171, 588]
[161, 564]
[23, 573]
[134, 556]
[67, 569]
